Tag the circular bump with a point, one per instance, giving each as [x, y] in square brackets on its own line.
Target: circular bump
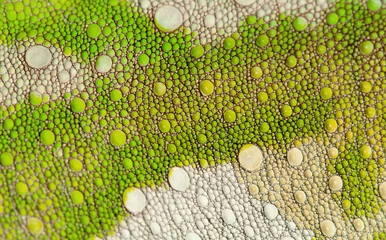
[166, 47]
[328, 228]
[300, 197]
[249, 232]
[134, 200]
[202, 201]
[113, 2]
[35, 98]
[256, 72]
[21, 188]
[300, 24]
[332, 18]
[8, 124]
[229, 116]
[6, 159]
[382, 190]
[35, 226]
[321, 49]
[197, 51]
[346, 204]
[291, 225]
[98, 182]
[270, 211]
[115, 95]
[64, 76]
[168, 18]
[11, 15]
[38, 57]
[253, 189]
[228, 216]
[178, 179]
[202, 138]
[330, 125]
[294, 157]
[262, 40]
[155, 228]
[177, 218]
[252, 20]
[250, 157]
[229, 43]
[159, 89]
[335, 183]
[192, 236]
[245, 2]
[76, 165]
[264, 127]
[365, 151]
[209, 20]
[103, 64]
[77, 197]
[326, 93]
[143, 60]
[374, 5]
[172, 148]
[77, 105]
[291, 61]
[288, 238]
[128, 163]
[262, 97]
[117, 138]
[47, 137]
[333, 152]
[359, 225]
[93, 30]
[164, 126]
[365, 86]
[366, 47]
[370, 112]
[204, 163]
[125, 233]
[206, 87]
[286, 111]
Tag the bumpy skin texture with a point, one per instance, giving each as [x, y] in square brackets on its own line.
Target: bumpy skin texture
[109, 56]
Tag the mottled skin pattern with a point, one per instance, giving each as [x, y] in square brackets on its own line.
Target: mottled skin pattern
[62, 166]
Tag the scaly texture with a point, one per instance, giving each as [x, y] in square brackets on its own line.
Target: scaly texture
[105, 98]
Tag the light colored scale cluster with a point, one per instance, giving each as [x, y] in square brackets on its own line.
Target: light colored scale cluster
[29, 68]
[203, 204]
[311, 10]
[210, 18]
[298, 184]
